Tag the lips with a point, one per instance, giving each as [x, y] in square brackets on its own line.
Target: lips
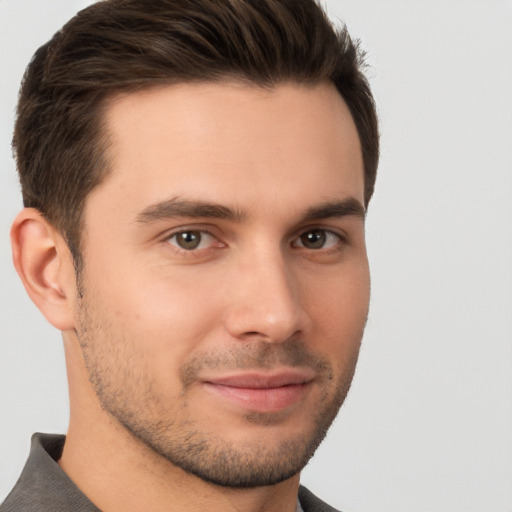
[261, 392]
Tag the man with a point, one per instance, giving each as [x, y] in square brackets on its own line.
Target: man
[196, 176]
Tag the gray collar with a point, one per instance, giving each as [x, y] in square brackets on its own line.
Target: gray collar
[44, 487]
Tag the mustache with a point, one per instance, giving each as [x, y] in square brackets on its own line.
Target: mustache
[256, 355]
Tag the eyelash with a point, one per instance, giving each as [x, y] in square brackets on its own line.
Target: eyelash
[191, 251]
[194, 252]
[326, 233]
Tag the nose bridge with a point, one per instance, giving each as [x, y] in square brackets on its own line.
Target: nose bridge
[266, 304]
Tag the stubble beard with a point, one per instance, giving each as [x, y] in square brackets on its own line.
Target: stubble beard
[133, 402]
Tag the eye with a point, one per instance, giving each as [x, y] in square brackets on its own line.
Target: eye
[192, 239]
[318, 239]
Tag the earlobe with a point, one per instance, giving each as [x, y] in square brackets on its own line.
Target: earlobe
[44, 264]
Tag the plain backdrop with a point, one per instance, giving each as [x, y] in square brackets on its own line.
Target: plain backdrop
[428, 422]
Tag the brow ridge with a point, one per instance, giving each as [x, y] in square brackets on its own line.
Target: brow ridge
[331, 209]
[176, 207]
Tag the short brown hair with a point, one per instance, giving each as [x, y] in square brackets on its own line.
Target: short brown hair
[127, 45]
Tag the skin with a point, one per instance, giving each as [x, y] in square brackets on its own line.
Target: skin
[166, 341]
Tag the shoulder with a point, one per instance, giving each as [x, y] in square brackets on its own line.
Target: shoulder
[310, 503]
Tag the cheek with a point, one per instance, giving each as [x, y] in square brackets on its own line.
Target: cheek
[162, 314]
[338, 308]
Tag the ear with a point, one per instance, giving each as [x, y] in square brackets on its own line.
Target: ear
[45, 266]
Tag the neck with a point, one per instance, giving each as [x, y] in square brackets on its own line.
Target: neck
[118, 472]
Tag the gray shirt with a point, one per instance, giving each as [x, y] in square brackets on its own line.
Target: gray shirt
[44, 487]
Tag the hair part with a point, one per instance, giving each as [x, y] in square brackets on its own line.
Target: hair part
[115, 46]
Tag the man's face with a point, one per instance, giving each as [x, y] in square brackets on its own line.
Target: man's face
[225, 283]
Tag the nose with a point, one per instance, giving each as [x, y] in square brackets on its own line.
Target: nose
[265, 301]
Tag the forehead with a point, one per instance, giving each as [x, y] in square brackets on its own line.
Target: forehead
[226, 142]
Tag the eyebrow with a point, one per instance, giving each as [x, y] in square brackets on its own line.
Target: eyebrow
[184, 208]
[176, 207]
[331, 209]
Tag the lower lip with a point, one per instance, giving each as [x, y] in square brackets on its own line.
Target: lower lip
[260, 399]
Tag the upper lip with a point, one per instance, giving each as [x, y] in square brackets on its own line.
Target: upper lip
[263, 380]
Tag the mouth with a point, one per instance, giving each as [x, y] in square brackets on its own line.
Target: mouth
[260, 391]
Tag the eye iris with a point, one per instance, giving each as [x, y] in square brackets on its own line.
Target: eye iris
[314, 239]
[188, 239]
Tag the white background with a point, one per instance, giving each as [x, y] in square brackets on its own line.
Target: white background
[428, 423]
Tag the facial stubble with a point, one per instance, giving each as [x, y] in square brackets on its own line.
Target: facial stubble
[127, 391]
